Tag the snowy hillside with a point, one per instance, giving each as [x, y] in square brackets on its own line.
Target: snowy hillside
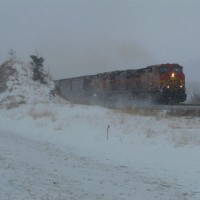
[17, 86]
[62, 151]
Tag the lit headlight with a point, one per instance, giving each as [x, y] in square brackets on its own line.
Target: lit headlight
[181, 86]
[168, 86]
[173, 75]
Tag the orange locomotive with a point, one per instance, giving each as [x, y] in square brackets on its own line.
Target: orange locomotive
[172, 83]
[163, 83]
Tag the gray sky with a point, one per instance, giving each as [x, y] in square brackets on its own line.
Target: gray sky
[80, 37]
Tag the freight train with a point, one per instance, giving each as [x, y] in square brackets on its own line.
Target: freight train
[164, 83]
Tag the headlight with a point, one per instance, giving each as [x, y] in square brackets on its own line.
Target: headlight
[173, 75]
[181, 86]
[168, 87]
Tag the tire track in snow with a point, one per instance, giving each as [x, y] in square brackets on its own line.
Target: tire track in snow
[32, 169]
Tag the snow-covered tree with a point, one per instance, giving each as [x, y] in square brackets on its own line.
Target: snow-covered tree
[12, 55]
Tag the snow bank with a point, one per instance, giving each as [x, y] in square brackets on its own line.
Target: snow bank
[55, 151]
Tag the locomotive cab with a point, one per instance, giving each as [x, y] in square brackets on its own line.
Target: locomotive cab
[172, 83]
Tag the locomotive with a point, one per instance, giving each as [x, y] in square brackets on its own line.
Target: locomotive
[164, 83]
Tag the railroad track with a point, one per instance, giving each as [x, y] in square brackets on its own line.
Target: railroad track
[179, 110]
[179, 106]
[184, 107]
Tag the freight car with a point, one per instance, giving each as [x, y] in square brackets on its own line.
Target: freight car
[164, 83]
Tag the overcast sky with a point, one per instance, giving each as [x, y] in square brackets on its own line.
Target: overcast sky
[80, 37]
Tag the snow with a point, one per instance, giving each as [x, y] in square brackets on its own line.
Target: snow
[51, 149]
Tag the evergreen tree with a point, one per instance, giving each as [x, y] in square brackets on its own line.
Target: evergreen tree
[38, 69]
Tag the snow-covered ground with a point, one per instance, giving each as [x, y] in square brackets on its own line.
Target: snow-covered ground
[56, 150]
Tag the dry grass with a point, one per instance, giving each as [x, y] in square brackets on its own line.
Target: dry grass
[185, 138]
[35, 114]
[186, 112]
[139, 111]
[150, 133]
[10, 102]
[49, 197]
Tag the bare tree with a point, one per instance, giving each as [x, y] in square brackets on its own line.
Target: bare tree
[12, 55]
[194, 92]
[195, 98]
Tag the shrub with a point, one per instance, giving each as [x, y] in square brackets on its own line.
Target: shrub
[195, 98]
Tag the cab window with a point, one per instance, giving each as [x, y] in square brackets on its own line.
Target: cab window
[177, 69]
[164, 70]
[167, 69]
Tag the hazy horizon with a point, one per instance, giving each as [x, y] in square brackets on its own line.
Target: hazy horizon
[79, 37]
